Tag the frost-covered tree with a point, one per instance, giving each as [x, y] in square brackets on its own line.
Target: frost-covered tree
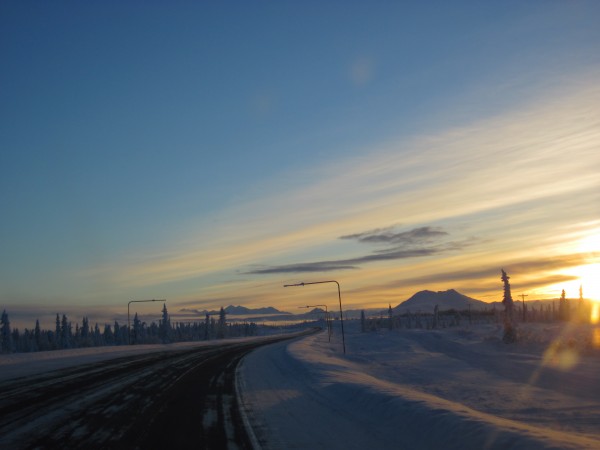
[221, 327]
[108, 335]
[207, 328]
[57, 340]
[16, 340]
[85, 333]
[165, 326]
[510, 331]
[563, 307]
[363, 321]
[65, 332]
[137, 329]
[37, 334]
[97, 338]
[436, 317]
[5, 334]
[580, 302]
[119, 334]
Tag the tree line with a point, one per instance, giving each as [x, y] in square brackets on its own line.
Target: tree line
[67, 334]
[565, 310]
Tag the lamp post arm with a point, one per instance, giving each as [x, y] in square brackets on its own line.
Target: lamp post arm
[128, 322]
[339, 298]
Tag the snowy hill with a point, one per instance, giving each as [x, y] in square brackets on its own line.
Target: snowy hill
[425, 301]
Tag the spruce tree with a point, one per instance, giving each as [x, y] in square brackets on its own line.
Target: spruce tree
[137, 325]
[109, 337]
[118, 334]
[563, 307]
[98, 340]
[57, 339]
[65, 332]
[5, 334]
[222, 324]
[37, 333]
[85, 333]
[165, 326]
[510, 331]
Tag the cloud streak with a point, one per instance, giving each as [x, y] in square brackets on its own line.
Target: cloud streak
[415, 243]
[517, 181]
[388, 235]
[532, 274]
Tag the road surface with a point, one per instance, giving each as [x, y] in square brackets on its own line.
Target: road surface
[175, 399]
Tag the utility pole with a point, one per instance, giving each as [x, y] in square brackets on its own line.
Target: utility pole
[523, 297]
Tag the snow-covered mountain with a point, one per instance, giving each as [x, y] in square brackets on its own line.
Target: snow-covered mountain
[237, 311]
[425, 301]
[242, 310]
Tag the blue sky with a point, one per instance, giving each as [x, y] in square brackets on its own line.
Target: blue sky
[207, 153]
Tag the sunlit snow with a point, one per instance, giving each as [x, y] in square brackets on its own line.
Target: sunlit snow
[422, 389]
[457, 387]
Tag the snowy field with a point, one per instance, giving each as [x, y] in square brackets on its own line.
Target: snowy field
[455, 388]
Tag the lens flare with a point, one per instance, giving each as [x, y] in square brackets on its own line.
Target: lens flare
[560, 356]
[596, 338]
[595, 315]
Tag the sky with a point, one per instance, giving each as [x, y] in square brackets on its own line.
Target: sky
[208, 153]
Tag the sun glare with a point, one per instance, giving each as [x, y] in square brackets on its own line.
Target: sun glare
[589, 274]
[586, 278]
[590, 281]
[590, 243]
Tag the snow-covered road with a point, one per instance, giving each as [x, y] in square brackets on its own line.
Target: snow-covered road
[164, 396]
[418, 389]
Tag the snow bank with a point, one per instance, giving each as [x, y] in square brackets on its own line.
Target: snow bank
[416, 389]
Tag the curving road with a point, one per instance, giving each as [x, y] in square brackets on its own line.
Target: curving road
[175, 399]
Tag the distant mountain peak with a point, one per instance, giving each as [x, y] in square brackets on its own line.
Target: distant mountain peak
[240, 310]
[426, 301]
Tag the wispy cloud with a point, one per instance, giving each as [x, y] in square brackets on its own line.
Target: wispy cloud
[317, 266]
[516, 181]
[416, 236]
[533, 275]
[418, 242]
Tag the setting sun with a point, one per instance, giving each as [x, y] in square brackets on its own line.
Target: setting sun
[589, 278]
[585, 277]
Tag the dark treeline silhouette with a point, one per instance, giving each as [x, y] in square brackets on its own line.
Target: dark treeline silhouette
[67, 334]
[562, 310]
[574, 311]
[579, 311]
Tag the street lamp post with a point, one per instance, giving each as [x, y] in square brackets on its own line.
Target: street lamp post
[339, 298]
[326, 318]
[128, 326]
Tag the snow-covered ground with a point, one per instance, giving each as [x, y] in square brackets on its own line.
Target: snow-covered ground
[408, 389]
[456, 388]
